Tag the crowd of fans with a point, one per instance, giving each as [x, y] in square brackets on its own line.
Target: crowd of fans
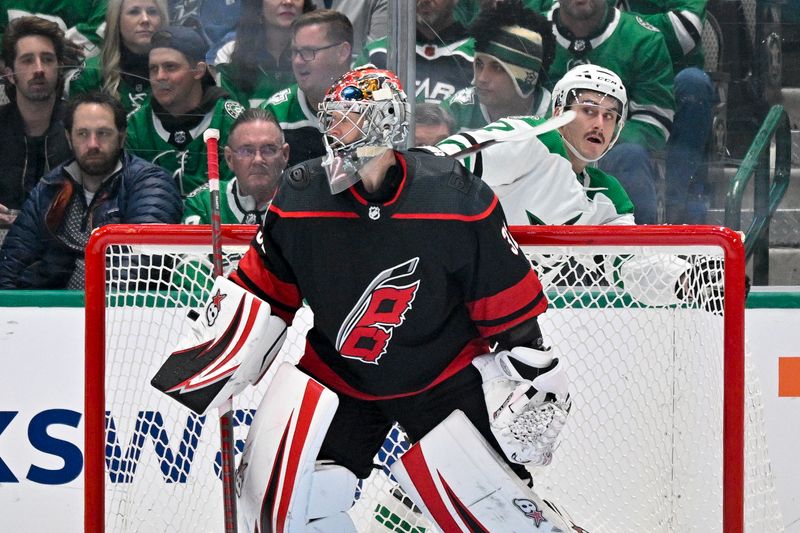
[108, 101]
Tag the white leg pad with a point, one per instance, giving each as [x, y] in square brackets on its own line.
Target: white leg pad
[275, 474]
[337, 523]
[463, 485]
[333, 488]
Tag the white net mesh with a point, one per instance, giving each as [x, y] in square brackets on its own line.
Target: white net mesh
[642, 449]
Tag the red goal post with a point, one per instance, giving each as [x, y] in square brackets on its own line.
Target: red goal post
[107, 288]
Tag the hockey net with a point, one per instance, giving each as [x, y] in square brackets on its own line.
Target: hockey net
[666, 431]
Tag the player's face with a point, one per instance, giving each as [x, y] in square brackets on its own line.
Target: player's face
[35, 70]
[493, 83]
[173, 78]
[345, 127]
[281, 13]
[257, 155]
[138, 21]
[595, 123]
[329, 62]
[95, 139]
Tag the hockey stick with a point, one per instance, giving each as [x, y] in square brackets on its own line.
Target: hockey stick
[211, 138]
[520, 135]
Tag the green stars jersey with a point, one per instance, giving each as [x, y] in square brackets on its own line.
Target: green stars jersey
[470, 113]
[90, 78]
[681, 24]
[298, 122]
[635, 50]
[233, 207]
[535, 182]
[443, 67]
[148, 139]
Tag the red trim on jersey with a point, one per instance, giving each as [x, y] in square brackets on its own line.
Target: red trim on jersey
[420, 474]
[282, 292]
[319, 369]
[501, 307]
[402, 162]
[449, 216]
[308, 407]
[311, 214]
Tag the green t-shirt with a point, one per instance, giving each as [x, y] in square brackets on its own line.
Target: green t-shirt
[90, 78]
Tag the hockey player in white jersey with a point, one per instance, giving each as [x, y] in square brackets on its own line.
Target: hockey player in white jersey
[549, 180]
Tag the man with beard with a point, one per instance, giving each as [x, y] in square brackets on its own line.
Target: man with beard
[32, 138]
[101, 184]
[168, 130]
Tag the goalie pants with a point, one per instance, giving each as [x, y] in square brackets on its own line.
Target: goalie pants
[359, 427]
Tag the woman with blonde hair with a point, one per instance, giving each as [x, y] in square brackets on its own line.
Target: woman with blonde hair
[121, 68]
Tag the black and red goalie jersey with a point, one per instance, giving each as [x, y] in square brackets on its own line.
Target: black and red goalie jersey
[407, 284]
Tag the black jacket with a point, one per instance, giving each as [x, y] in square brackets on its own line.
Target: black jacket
[19, 159]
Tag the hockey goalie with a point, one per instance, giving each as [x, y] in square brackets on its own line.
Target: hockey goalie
[406, 260]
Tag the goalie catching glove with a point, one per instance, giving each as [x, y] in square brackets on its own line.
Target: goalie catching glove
[528, 402]
[230, 344]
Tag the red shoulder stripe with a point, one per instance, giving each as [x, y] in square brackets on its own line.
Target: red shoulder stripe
[311, 214]
[450, 216]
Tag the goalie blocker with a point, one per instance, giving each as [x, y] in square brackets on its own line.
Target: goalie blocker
[231, 342]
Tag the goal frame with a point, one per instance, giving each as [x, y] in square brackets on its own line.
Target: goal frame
[730, 242]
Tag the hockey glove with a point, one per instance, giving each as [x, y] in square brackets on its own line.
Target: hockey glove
[703, 285]
[528, 402]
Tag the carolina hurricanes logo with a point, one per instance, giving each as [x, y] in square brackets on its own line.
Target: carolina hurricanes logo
[530, 510]
[214, 307]
[368, 328]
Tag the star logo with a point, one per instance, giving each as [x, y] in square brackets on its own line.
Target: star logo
[214, 306]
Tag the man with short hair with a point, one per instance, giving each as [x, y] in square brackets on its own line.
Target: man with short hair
[101, 185]
[168, 130]
[444, 52]
[32, 138]
[322, 43]
[432, 123]
[257, 153]
[514, 47]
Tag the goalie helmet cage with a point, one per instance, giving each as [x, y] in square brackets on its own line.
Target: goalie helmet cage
[655, 441]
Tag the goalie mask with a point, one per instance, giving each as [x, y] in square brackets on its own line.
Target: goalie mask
[571, 92]
[362, 115]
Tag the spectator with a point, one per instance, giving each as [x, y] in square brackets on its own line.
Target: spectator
[432, 123]
[81, 21]
[32, 138]
[513, 49]
[258, 63]
[100, 185]
[168, 129]
[681, 24]
[121, 67]
[368, 17]
[590, 31]
[444, 52]
[321, 51]
[257, 153]
[215, 20]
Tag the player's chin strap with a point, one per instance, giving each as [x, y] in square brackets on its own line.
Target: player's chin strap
[463, 485]
[528, 401]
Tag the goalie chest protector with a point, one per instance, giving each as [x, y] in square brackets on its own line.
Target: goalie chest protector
[405, 290]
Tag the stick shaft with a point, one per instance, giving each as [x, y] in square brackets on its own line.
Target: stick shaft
[225, 410]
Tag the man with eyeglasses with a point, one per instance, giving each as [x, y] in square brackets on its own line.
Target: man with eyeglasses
[322, 42]
[257, 154]
[168, 130]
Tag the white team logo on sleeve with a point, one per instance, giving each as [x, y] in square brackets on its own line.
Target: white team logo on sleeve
[368, 328]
